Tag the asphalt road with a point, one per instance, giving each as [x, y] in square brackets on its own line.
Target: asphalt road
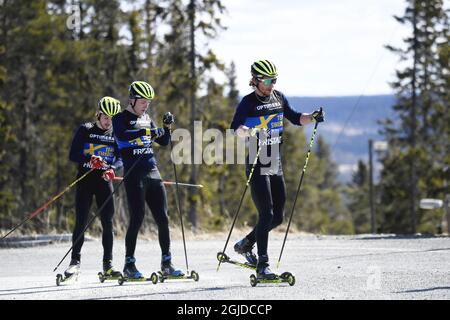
[327, 267]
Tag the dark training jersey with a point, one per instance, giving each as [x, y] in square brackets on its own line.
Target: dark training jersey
[266, 113]
[134, 144]
[91, 140]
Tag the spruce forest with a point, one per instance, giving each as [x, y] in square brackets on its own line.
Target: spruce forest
[58, 58]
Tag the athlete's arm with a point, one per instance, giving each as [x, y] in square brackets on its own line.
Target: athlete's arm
[164, 139]
[293, 116]
[118, 163]
[76, 148]
[122, 133]
[238, 121]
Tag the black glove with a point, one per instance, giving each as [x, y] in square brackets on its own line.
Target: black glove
[318, 115]
[155, 133]
[259, 133]
[168, 119]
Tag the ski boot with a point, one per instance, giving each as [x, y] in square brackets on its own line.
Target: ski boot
[265, 275]
[129, 270]
[169, 272]
[131, 273]
[245, 248]
[71, 274]
[109, 273]
[263, 271]
[167, 268]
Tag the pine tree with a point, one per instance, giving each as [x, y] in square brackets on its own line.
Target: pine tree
[413, 136]
[7, 139]
[358, 198]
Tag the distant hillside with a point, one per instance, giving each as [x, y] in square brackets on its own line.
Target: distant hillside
[352, 144]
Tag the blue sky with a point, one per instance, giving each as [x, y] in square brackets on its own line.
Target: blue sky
[321, 47]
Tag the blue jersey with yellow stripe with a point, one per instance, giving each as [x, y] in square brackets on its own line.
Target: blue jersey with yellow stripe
[103, 150]
[265, 113]
[91, 140]
[133, 141]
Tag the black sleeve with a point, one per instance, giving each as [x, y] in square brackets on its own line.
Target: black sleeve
[122, 133]
[240, 115]
[292, 115]
[118, 163]
[76, 148]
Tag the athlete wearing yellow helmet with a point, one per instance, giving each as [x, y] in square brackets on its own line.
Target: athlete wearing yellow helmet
[93, 146]
[109, 106]
[135, 132]
[260, 115]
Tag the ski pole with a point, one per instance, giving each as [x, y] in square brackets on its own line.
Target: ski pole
[98, 212]
[240, 202]
[171, 183]
[298, 189]
[45, 205]
[177, 196]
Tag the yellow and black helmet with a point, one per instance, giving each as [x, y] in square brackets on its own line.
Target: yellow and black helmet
[264, 69]
[141, 90]
[109, 106]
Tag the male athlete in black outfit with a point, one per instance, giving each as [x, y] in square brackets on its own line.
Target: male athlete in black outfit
[93, 146]
[260, 114]
[135, 132]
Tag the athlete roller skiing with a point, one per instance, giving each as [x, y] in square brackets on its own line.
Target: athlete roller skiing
[93, 146]
[260, 116]
[135, 133]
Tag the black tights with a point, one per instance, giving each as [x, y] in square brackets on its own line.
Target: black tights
[141, 189]
[269, 196]
[86, 189]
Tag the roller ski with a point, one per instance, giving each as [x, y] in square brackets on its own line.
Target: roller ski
[265, 275]
[71, 274]
[224, 258]
[131, 273]
[168, 272]
[109, 273]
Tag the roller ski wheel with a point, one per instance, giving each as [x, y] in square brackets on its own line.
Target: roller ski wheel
[289, 277]
[253, 280]
[195, 276]
[154, 278]
[121, 280]
[222, 257]
[101, 277]
[291, 280]
[59, 278]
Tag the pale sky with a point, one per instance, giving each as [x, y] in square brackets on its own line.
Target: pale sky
[320, 47]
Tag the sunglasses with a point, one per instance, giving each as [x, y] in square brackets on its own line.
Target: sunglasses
[268, 82]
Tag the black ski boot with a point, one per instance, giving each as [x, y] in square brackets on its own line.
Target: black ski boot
[130, 270]
[245, 247]
[263, 271]
[109, 270]
[167, 268]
